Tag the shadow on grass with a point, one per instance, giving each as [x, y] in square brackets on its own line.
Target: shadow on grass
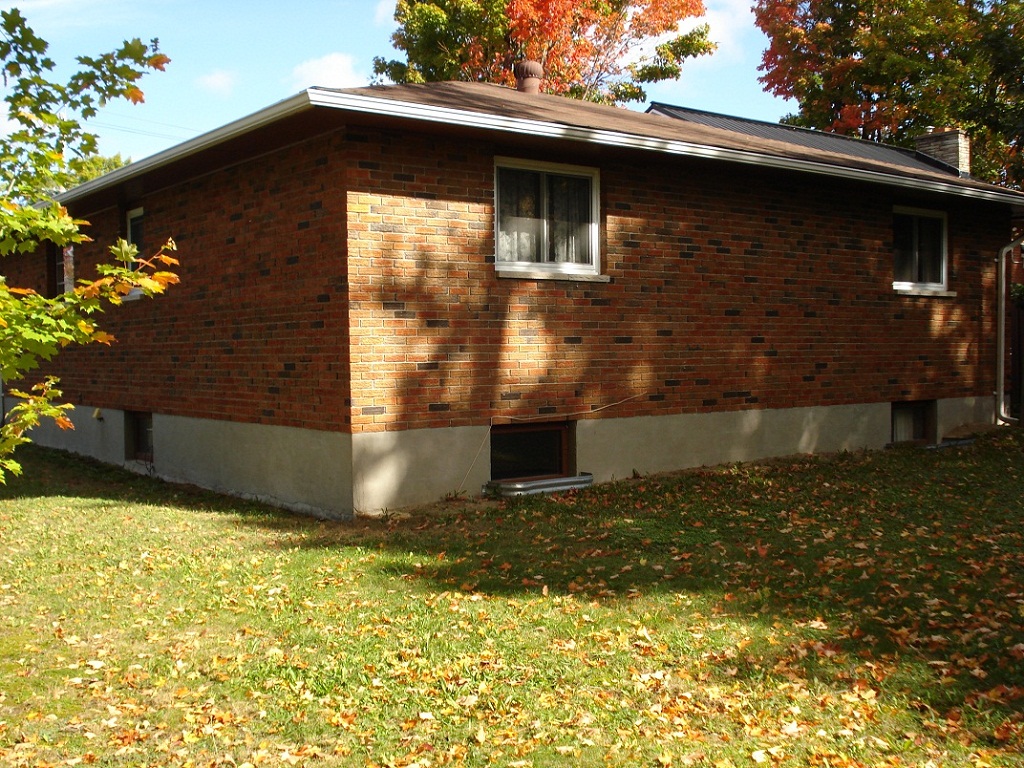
[53, 473]
[910, 554]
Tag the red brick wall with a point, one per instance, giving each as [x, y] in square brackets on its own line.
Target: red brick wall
[257, 329]
[731, 288]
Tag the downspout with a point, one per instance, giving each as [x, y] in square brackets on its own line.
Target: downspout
[1001, 414]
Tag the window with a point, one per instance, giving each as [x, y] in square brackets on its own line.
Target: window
[60, 270]
[133, 233]
[914, 422]
[138, 436]
[547, 218]
[133, 227]
[919, 249]
[54, 271]
[524, 451]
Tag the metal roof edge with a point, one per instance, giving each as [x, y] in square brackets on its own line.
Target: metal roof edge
[665, 109]
[369, 104]
[280, 109]
[486, 120]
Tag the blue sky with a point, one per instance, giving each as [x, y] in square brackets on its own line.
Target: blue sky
[231, 58]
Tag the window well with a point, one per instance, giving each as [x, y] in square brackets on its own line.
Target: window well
[534, 458]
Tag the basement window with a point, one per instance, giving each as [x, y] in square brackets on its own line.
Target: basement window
[532, 451]
[915, 422]
[138, 436]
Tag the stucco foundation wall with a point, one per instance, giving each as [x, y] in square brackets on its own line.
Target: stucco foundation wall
[401, 468]
[956, 413]
[332, 475]
[613, 448]
[98, 433]
[303, 470]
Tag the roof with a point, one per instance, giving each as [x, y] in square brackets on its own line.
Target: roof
[806, 137]
[494, 109]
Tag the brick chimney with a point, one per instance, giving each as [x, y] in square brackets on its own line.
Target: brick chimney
[528, 76]
[950, 145]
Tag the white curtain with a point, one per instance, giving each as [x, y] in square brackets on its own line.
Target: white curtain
[543, 217]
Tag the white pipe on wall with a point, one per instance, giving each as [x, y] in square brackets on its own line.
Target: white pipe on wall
[1000, 395]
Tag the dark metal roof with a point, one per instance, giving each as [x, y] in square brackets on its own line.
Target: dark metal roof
[805, 137]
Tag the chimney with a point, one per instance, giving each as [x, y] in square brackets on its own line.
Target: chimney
[949, 145]
[528, 76]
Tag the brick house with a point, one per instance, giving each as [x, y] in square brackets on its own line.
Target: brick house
[393, 293]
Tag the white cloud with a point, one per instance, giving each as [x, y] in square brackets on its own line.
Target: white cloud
[335, 70]
[732, 27]
[219, 81]
[384, 13]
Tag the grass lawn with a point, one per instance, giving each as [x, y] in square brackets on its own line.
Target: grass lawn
[856, 610]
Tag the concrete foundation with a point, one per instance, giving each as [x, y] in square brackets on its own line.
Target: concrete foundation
[303, 470]
[398, 469]
[616, 448]
[333, 475]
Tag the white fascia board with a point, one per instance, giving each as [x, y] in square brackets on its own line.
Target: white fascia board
[505, 124]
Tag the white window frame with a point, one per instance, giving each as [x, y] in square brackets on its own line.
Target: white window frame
[907, 286]
[551, 270]
[130, 216]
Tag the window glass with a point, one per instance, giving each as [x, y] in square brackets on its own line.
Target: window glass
[569, 214]
[914, 422]
[929, 248]
[539, 450]
[546, 217]
[138, 436]
[903, 246]
[519, 221]
[54, 271]
[134, 234]
[919, 249]
[135, 228]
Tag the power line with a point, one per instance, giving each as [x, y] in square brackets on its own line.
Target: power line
[138, 131]
[152, 122]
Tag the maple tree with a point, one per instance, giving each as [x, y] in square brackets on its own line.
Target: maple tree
[93, 166]
[887, 70]
[596, 50]
[46, 149]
